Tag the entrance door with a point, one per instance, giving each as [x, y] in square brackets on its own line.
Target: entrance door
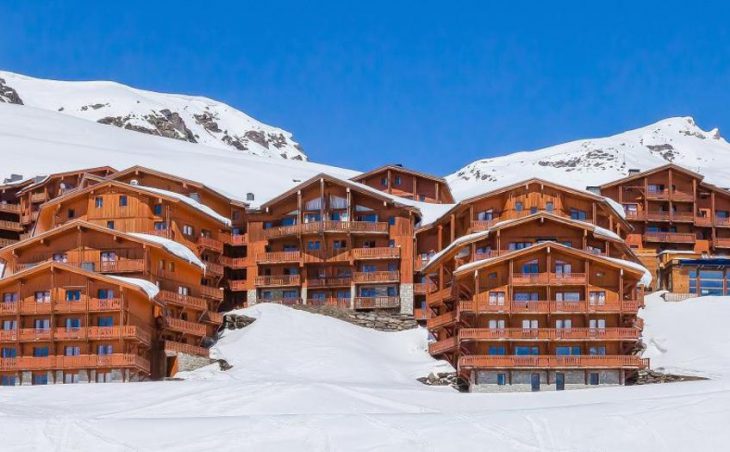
[535, 382]
[560, 381]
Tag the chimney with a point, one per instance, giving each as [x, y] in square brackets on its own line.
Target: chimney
[595, 189]
[399, 165]
[633, 171]
[13, 178]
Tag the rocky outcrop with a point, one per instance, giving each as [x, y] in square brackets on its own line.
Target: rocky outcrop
[445, 379]
[8, 94]
[164, 123]
[377, 320]
[650, 376]
[236, 321]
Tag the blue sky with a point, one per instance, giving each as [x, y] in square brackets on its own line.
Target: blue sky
[432, 85]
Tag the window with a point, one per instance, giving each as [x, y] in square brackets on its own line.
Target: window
[123, 201]
[656, 188]
[567, 351]
[104, 349]
[339, 216]
[188, 230]
[391, 220]
[593, 379]
[103, 377]
[563, 323]
[40, 352]
[73, 295]
[597, 323]
[343, 294]
[289, 247]
[312, 217]
[71, 213]
[597, 297]
[392, 266]
[105, 294]
[72, 350]
[105, 321]
[60, 257]
[99, 202]
[110, 224]
[290, 294]
[518, 245]
[496, 350]
[501, 379]
[567, 296]
[183, 290]
[384, 181]
[562, 268]
[157, 209]
[485, 215]
[577, 214]
[194, 196]
[8, 352]
[368, 244]
[597, 350]
[160, 226]
[533, 210]
[70, 378]
[339, 244]
[9, 325]
[40, 379]
[368, 218]
[531, 267]
[369, 268]
[73, 324]
[525, 350]
[7, 380]
[518, 206]
[313, 245]
[496, 324]
[10, 297]
[43, 296]
[171, 266]
[549, 206]
[397, 180]
[496, 298]
[529, 324]
[41, 324]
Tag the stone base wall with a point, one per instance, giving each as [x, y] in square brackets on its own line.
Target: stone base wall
[521, 380]
[406, 299]
[187, 362]
[378, 320]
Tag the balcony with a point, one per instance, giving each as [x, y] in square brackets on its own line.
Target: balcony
[342, 303]
[212, 268]
[682, 196]
[237, 285]
[38, 197]
[288, 301]
[482, 225]
[235, 263]
[122, 266]
[443, 346]
[421, 314]
[344, 281]
[238, 239]
[7, 242]
[213, 293]
[376, 253]
[317, 227]
[278, 280]
[172, 348]
[670, 237]
[528, 279]
[442, 320]
[213, 318]
[210, 243]
[567, 278]
[553, 362]
[377, 302]
[480, 305]
[26, 218]
[279, 257]
[703, 222]
[635, 216]
[423, 288]
[683, 217]
[721, 243]
[184, 326]
[102, 333]
[321, 256]
[722, 222]
[376, 277]
[97, 304]
[11, 226]
[549, 334]
[9, 208]
[115, 360]
[9, 307]
[185, 301]
[439, 296]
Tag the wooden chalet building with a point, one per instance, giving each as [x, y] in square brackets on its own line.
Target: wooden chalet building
[676, 216]
[335, 242]
[532, 287]
[11, 228]
[185, 317]
[406, 183]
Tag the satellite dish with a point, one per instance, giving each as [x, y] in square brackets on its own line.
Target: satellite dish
[134, 182]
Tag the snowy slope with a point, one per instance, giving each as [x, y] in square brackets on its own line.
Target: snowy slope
[596, 161]
[309, 383]
[37, 142]
[189, 118]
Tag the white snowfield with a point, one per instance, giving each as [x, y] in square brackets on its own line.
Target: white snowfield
[303, 382]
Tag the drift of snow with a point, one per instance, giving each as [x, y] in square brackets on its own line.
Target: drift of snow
[178, 249]
[150, 288]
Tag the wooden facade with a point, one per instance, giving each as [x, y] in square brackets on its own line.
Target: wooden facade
[674, 214]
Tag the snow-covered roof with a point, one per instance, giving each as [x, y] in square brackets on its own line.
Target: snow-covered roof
[618, 208]
[463, 240]
[176, 248]
[150, 288]
[645, 280]
[189, 201]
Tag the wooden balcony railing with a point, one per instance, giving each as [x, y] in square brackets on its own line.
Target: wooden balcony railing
[421, 314]
[636, 216]
[99, 305]
[235, 262]
[278, 257]
[121, 266]
[173, 348]
[237, 285]
[682, 196]
[38, 197]
[670, 237]
[213, 268]
[376, 253]
[687, 217]
[442, 320]
[341, 281]
[553, 362]
[210, 243]
[317, 256]
[288, 301]
[423, 288]
[482, 225]
[343, 303]
[721, 242]
[567, 278]
[9, 208]
[7, 242]
[129, 332]
[278, 280]
[115, 360]
[376, 277]
[722, 222]
[376, 302]
[657, 216]
[212, 317]
[317, 227]
[186, 301]
[480, 305]
[549, 334]
[443, 346]
[439, 296]
[185, 327]
[238, 239]
[214, 293]
[11, 226]
[530, 278]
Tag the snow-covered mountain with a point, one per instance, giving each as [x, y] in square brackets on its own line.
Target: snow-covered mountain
[189, 118]
[595, 161]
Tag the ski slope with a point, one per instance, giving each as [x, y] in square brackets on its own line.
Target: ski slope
[303, 382]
